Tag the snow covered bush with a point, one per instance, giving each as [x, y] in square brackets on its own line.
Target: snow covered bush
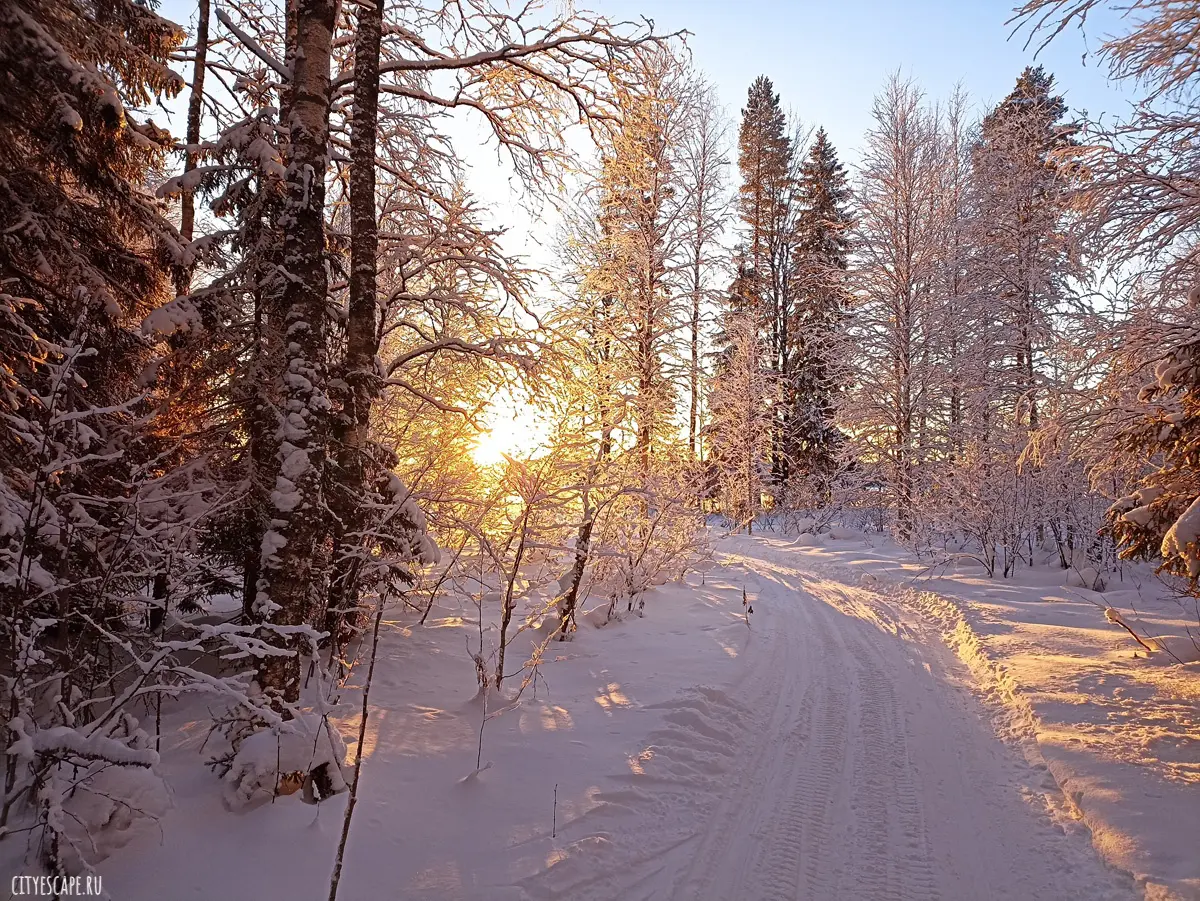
[302, 754]
[80, 793]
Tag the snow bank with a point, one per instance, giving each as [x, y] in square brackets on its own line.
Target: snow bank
[113, 807]
[1117, 730]
[1087, 578]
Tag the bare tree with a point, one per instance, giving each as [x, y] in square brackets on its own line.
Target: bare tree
[896, 242]
[702, 167]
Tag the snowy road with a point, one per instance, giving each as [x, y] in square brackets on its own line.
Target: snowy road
[832, 752]
[848, 760]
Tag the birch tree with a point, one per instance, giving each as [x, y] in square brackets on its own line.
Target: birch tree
[896, 243]
[703, 174]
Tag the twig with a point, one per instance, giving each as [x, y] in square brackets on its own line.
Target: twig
[336, 877]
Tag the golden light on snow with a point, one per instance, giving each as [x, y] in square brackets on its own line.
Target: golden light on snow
[612, 697]
[512, 428]
[635, 762]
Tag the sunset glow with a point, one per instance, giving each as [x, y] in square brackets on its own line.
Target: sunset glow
[512, 429]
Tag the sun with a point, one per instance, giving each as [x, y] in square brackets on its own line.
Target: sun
[512, 429]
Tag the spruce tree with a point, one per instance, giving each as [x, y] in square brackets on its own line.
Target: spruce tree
[85, 254]
[822, 248]
[1024, 253]
[1160, 520]
[764, 158]
[766, 207]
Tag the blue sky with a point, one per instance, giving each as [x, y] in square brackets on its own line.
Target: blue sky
[828, 59]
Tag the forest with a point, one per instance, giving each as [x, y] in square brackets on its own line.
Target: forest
[276, 383]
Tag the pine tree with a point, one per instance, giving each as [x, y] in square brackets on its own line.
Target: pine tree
[822, 250]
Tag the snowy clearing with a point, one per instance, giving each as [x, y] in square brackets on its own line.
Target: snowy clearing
[836, 748]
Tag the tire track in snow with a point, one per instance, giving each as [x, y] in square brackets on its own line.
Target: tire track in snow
[824, 772]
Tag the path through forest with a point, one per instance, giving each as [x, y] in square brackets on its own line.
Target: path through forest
[833, 749]
[848, 760]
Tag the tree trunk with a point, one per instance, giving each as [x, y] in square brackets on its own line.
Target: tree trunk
[362, 333]
[187, 214]
[509, 601]
[570, 598]
[293, 546]
[694, 372]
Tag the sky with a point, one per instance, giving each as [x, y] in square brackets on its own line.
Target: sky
[827, 59]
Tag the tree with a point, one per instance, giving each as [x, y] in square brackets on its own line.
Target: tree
[313, 356]
[1161, 517]
[635, 252]
[896, 242]
[294, 555]
[701, 166]
[740, 430]
[642, 217]
[187, 211]
[1138, 206]
[822, 251]
[1024, 254]
[86, 513]
[766, 204]
[963, 321]
[352, 469]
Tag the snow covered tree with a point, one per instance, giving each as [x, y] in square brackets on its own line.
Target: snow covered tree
[822, 251]
[767, 208]
[1023, 252]
[964, 350]
[86, 510]
[85, 253]
[894, 317]
[441, 281]
[640, 217]
[702, 164]
[741, 399]
[1138, 201]
[291, 585]
[637, 254]
[1161, 518]
[1138, 205]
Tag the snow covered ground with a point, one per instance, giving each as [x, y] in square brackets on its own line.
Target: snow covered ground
[835, 748]
[1119, 729]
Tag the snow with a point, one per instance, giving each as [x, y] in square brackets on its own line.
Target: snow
[66, 741]
[177, 316]
[867, 735]
[1118, 732]
[113, 807]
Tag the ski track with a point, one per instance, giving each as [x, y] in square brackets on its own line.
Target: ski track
[848, 761]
